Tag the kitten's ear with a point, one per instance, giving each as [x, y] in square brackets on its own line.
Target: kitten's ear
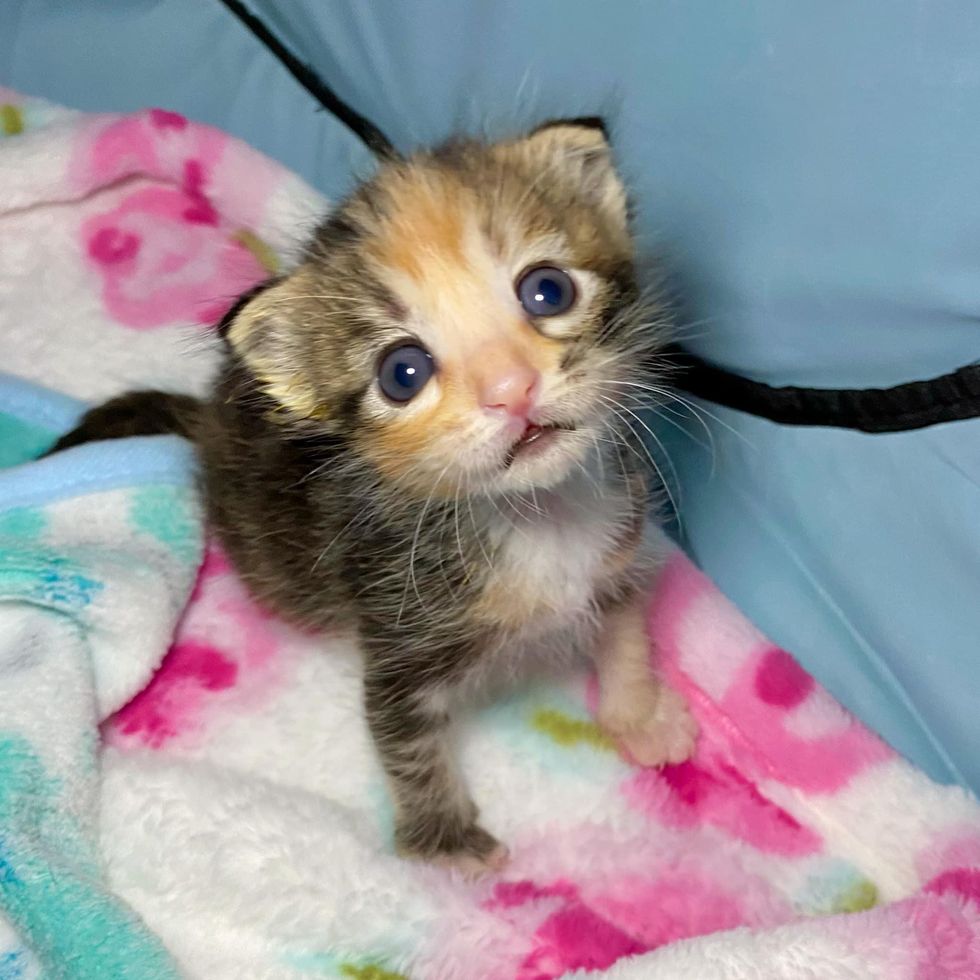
[259, 330]
[578, 126]
[580, 150]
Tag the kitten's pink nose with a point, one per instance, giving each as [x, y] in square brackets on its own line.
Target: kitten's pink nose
[510, 387]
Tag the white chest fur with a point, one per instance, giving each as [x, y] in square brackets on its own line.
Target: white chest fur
[549, 563]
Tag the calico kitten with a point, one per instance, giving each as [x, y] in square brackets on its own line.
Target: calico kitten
[416, 433]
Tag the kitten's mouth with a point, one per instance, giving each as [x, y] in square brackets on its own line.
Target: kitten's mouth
[535, 440]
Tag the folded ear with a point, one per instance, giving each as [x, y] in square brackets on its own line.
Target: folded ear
[580, 150]
[585, 125]
[261, 329]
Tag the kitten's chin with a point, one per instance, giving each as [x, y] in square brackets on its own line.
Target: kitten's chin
[542, 463]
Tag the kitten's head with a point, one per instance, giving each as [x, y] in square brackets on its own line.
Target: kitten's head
[463, 320]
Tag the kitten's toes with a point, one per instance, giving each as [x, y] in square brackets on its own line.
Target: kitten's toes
[657, 731]
[471, 865]
[470, 850]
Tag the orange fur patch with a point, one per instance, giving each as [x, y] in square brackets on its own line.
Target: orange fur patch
[425, 228]
[405, 448]
[416, 445]
[430, 251]
[508, 605]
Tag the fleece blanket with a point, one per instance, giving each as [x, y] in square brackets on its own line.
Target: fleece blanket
[187, 788]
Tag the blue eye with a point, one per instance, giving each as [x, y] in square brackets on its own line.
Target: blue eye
[404, 372]
[546, 291]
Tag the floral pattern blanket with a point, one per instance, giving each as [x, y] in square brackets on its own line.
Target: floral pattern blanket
[187, 787]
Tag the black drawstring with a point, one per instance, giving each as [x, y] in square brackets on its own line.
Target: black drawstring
[913, 405]
[372, 137]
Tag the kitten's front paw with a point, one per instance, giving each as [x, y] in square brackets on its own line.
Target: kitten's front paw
[475, 865]
[469, 849]
[654, 728]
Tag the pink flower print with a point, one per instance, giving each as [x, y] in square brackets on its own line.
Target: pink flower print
[780, 681]
[165, 119]
[201, 212]
[946, 934]
[221, 174]
[164, 257]
[111, 246]
[575, 938]
[124, 148]
[676, 905]
[954, 851]
[787, 727]
[751, 698]
[164, 709]
[224, 642]
[589, 927]
[962, 882]
[571, 937]
[154, 144]
[713, 793]
[184, 249]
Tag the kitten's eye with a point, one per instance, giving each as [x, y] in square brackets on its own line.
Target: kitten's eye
[546, 291]
[404, 371]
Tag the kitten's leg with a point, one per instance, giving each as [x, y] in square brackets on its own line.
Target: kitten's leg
[648, 720]
[435, 819]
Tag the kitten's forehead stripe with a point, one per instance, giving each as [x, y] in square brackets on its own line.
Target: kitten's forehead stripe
[425, 225]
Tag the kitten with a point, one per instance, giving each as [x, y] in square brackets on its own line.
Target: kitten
[423, 432]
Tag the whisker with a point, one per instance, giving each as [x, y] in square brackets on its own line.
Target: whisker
[665, 413]
[664, 393]
[459, 537]
[615, 409]
[411, 557]
[694, 409]
[476, 530]
[335, 539]
[602, 465]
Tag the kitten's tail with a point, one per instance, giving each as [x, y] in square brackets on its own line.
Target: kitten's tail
[136, 413]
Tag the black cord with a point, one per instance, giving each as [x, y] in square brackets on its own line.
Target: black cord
[914, 405]
[371, 135]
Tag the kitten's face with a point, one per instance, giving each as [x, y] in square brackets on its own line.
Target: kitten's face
[464, 319]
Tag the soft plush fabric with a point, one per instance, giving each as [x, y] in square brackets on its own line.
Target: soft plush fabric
[194, 793]
[91, 586]
[810, 170]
